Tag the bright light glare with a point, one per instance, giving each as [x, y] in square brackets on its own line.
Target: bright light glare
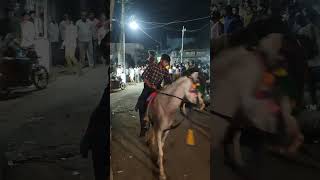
[133, 25]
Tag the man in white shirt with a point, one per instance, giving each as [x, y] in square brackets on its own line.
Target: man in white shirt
[136, 74]
[131, 74]
[70, 44]
[62, 26]
[84, 39]
[38, 25]
[28, 33]
[94, 28]
[53, 35]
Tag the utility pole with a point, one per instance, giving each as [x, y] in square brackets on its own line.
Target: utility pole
[111, 10]
[183, 30]
[122, 48]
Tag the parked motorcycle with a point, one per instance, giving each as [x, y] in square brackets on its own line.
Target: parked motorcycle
[116, 83]
[20, 68]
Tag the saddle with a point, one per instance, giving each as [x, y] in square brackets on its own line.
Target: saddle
[151, 97]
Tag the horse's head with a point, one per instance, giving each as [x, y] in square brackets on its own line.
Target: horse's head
[191, 92]
[271, 46]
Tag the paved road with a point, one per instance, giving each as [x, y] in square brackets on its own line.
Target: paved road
[48, 125]
[131, 158]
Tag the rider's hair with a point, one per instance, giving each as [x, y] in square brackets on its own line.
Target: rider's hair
[166, 57]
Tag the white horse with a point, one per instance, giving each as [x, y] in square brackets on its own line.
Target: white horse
[237, 75]
[161, 112]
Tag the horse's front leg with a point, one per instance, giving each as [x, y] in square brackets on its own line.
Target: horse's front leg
[165, 135]
[292, 127]
[237, 149]
[232, 147]
[201, 102]
[160, 155]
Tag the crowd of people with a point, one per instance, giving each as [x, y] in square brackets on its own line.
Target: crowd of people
[301, 19]
[86, 34]
[227, 19]
[176, 70]
[131, 75]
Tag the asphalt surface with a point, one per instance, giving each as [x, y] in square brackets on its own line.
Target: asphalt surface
[132, 160]
[41, 130]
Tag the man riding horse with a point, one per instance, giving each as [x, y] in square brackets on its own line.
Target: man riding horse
[153, 77]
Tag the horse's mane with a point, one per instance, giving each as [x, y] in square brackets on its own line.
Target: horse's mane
[175, 84]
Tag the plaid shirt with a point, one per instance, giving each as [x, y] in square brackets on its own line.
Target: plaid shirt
[154, 75]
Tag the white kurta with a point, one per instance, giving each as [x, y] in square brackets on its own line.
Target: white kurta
[28, 34]
[70, 41]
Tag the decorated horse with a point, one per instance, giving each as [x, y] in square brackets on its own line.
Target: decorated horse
[242, 68]
[162, 108]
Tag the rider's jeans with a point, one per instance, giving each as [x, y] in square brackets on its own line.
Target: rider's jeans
[142, 102]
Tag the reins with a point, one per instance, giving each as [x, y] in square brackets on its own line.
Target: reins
[190, 105]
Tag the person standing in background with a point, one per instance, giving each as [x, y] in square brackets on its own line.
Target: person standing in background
[70, 44]
[53, 35]
[93, 46]
[62, 26]
[103, 29]
[38, 25]
[228, 19]
[28, 33]
[84, 39]
[217, 26]
[136, 74]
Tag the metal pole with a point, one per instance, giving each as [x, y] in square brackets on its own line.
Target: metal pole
[122, 54]
[183, 30]
[45, 23]
[111, 10]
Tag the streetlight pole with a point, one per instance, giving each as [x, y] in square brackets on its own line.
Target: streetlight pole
[121, 52]
[183, 30]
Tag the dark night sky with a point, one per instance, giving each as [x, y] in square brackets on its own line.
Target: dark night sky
[164, 11]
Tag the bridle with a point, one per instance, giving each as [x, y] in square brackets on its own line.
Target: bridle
[190, 105]
[183, 100]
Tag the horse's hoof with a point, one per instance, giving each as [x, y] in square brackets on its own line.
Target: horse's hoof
[162, 177]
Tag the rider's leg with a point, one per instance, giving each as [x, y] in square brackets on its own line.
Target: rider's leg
[142, 106]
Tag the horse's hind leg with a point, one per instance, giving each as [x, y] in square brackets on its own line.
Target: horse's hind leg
[160, 155]
[164, 137]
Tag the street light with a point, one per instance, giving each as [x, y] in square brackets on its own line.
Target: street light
[133, 25]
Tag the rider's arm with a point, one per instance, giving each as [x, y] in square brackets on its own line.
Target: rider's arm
[146, 75]
[167, 79]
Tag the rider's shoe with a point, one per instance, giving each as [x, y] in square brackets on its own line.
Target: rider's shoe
[143, 132]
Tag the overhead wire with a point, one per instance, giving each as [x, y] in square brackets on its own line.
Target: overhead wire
[149, 36]
[192, 31]
[160, 25]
